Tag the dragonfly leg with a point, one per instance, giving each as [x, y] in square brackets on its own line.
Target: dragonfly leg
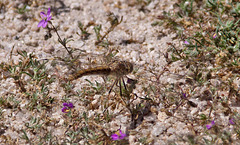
[115, 82]
[120, 86]
[124, 84]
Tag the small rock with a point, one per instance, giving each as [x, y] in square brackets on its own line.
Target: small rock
[49, 49]
[142, 15]
[180, 126]
[215, 82]
[171, 130]
[135, 56]
[94, 104]
[172, 137]
[236, 83]
[29, 41]
[158, 129]
[61, 122]
[194, 111]
[124, 119]
[32, 42]
[132, 139]
[2, 16]
[34, 27]
[19, 27]
[75, 6]
[11, 33]
[26, 31]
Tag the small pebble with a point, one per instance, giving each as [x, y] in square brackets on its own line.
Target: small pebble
[49, 49]
[75, 6]
[158, 129]
[2, 16]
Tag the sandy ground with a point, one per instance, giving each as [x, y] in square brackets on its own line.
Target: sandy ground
[146, 52]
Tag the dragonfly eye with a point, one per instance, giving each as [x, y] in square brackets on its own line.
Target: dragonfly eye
[128, 66]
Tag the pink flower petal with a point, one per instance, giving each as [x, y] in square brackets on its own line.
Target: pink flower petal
[186, 42]
[44, 24]
[114, 137]
[213, 123]
[231, 121]
[64, 109]
[65, 104]
[49, 11]
[45, 18]
[209, 126]
[43, 15]
[41, 23]
[70, 105]
[49, 18]
[122, 135]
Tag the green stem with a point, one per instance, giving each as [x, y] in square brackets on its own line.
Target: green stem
[61, 41]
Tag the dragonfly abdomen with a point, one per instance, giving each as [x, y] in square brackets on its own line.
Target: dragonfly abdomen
[101, 70]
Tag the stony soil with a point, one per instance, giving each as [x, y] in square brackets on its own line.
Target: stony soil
[146, 52]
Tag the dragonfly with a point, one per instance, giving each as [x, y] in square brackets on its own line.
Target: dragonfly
[117, 68]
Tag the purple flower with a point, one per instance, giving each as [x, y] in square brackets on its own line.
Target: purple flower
[45, 18]
[214, 35]
[231, 121]
[65, 110]
[67, 107]
[186, 42]
[118, 135]
[209, 126]
[184, 95]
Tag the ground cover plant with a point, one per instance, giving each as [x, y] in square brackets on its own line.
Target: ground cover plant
[139, 72]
